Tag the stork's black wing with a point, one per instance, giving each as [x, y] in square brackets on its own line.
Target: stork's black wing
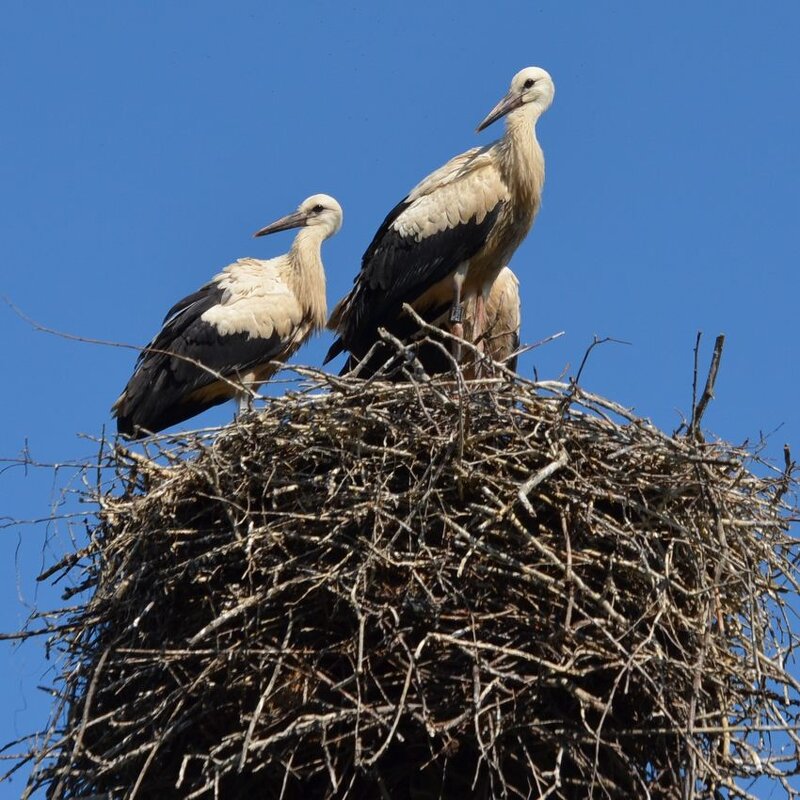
[399, 267]
[176, 375]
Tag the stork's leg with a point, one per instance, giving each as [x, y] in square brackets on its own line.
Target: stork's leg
[477, 340]
[244, 403]
[457, 310]
[480, 320]
[479, 329]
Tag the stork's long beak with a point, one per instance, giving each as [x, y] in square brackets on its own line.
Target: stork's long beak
[511, 101]
[298, 219]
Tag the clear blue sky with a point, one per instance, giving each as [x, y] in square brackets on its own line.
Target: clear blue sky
[142, 143]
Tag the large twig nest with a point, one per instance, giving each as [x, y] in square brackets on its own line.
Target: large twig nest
[498, 589]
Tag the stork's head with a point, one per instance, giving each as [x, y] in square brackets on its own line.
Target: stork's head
[320, 211]
[531, 93]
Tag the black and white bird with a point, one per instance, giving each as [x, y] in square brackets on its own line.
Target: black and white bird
[218, 343]
[449, 238]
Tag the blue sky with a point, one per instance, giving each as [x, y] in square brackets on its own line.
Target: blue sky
[142, 144]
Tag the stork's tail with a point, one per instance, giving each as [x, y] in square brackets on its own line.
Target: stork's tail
[336, 348]
[124, 415]
[149, 404]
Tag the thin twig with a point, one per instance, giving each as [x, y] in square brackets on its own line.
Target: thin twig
[708, 391]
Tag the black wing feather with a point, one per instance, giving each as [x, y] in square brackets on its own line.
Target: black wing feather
[384, 356]
[162, 390]
[206, 296]
[398, 269]
[180, 316]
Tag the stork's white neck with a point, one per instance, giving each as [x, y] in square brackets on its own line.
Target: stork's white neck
[307, 275]
[309, 240]
[522, 156]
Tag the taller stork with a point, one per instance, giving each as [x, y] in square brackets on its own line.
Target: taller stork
[448, 239]
[222, 341]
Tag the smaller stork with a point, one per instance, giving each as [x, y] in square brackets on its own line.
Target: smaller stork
[448, 239]
[501, 322]
[218, 343]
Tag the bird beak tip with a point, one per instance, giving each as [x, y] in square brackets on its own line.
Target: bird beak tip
[487, 121]
[491, 117]
[295, 220]
[505, 106]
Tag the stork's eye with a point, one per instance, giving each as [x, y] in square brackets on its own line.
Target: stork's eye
[528, 83]
[317, 208]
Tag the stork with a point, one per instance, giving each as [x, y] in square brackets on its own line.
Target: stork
[500, 333]
[500, 338]
[218, 343]
[447, 240]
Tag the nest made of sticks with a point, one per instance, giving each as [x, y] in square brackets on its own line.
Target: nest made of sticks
[429, 590]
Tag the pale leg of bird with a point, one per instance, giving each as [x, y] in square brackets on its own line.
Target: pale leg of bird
[244, 403]
[457, 310]
[480, 321]
[477, 333]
